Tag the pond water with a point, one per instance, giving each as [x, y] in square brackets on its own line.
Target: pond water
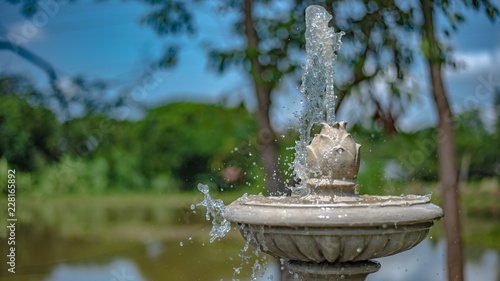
[147, 245]
[49, 258]
[425, 262]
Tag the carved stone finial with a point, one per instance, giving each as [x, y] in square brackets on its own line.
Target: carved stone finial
[332, 161]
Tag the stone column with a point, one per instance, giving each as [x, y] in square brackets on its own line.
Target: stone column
[353, 271]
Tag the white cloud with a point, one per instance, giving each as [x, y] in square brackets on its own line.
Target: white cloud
[475, 63]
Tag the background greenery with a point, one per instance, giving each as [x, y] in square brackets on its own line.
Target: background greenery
[178, 145]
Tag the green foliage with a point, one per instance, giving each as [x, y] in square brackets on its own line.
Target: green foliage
[179, 145]
[29, 135]
[477, 146]
[386, 163]
[72, 176]
[193, 141]
[84, 136]
[173, 148]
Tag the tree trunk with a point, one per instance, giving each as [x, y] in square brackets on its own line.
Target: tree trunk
[267, 137]
[448, 177]
[446, 148]
[267, 143]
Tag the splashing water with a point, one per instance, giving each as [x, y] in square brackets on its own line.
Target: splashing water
[215, 208]
[317, 80]
[318, 90]
[221, 226]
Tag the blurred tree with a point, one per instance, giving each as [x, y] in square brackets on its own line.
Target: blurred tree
[91, 134]
[380, 37]
[173, 146]
[273, 36]
[179, 137]
[29, 132]
[177, 140]
[259, 56]
[436, 55]
[44, 66]
[477, 146]
[78, 96]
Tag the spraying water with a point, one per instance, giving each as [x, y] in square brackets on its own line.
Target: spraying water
[317, 81]
[221, 226]
[215, 208]
[318, 90]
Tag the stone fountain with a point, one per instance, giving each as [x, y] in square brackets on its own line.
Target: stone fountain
[331, 233]
[325, 229]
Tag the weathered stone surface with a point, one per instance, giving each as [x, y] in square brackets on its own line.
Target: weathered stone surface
[329, 244]
[322, 211]
[332, 160]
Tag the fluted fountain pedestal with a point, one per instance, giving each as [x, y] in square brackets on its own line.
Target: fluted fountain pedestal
[353, 271]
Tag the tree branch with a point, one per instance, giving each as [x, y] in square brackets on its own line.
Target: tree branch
[44, 66]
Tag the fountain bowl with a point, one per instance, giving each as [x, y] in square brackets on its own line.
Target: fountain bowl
[333, 229]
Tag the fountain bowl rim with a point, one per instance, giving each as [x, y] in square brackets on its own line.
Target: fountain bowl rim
[244, 211]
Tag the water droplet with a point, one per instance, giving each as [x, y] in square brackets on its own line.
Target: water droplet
[203, 188]
[359, 250]
[192, 207]
[182, 244]
[237, 270]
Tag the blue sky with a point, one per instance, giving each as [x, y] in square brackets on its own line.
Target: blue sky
[105, 41]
